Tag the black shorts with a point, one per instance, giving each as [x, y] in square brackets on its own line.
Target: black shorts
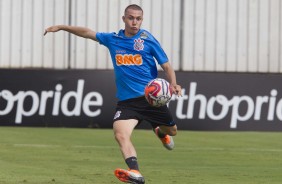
[141, 110]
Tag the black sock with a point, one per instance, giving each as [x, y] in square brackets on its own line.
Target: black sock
[160, 134]
[132, 163]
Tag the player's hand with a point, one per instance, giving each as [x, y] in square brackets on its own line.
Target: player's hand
[176, 89]
[51, 29]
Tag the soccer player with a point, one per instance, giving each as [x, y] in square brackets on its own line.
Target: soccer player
[133, 51]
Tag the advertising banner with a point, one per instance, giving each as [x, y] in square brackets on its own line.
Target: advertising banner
[229, 101]
[86, 98]
[67, 98]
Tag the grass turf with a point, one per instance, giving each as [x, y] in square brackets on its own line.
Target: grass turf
[89, 156]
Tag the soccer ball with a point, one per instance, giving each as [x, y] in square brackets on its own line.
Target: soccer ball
[158, 92]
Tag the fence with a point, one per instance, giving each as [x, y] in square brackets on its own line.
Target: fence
[198, 35]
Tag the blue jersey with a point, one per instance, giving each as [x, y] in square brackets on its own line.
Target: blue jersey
[133, 60]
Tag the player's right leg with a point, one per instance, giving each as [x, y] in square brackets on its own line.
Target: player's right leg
[123, 130]
[129, 176]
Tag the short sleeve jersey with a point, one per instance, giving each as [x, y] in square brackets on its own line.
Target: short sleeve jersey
[133, 60]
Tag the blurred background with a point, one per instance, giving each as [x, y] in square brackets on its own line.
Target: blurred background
[198, 35]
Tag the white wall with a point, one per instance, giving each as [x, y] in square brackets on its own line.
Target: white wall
[22, 25]
[232, 35]
[217, 35]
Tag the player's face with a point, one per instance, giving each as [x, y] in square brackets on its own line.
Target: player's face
[133, 20]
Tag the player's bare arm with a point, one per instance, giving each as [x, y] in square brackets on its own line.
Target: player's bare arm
[176, 89]
[79, 31]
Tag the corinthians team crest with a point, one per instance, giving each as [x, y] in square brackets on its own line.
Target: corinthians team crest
[138, 44]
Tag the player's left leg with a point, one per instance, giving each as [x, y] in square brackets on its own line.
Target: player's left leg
[163, 125]
[169, 130]
[165, 134]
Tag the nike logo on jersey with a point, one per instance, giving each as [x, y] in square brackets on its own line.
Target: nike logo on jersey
[129, 59]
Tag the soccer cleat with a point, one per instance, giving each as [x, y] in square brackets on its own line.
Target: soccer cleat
[167, 140]
[129, 176]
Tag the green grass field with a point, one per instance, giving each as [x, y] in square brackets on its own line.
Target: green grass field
[89, 156]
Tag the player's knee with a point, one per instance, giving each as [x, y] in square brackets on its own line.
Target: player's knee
[120, 137]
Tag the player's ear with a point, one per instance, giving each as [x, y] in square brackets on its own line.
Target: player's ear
[123, 18]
